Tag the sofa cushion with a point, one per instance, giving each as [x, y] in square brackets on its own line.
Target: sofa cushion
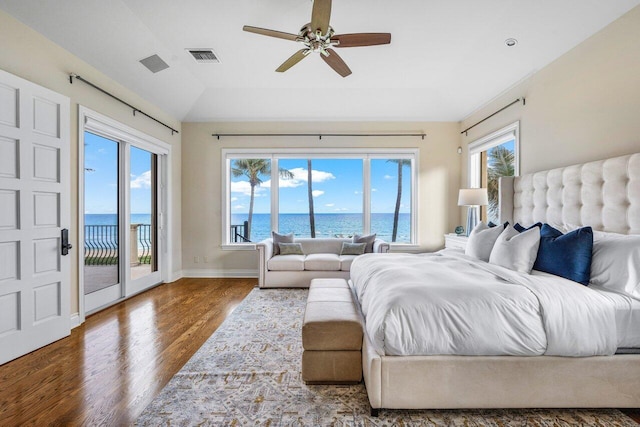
[322, 262]
[286, 263]
[345, 262]
[280, 238]
[369, 239]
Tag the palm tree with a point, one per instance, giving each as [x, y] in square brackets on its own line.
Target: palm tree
[500, 163]
[396, 214]
[312, 218]
[254, 169]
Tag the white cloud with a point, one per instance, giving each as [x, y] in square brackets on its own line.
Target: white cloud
[389, 177]
[340, 209]
[300, 177]
[330, 205]
[356, 192]
[317, 193]
[374, 189]
[141, 181]
[238, 207]
[245, 188]
[234, 199]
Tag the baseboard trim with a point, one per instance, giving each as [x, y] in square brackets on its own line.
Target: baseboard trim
[75, 320]
[212, 273]
[177, 275]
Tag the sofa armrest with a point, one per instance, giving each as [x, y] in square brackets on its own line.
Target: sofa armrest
[265, 252]
[380, 246]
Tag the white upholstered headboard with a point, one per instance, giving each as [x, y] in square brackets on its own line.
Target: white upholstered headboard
[604, 194]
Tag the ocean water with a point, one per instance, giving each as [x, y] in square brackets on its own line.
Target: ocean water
[105, 235]
[328, 225]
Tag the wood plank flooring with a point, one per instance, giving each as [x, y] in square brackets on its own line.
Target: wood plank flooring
[112, 367]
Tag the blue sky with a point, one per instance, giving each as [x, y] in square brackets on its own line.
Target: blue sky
[337, 188]
[101, 177]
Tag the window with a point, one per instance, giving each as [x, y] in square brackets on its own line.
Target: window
[491, 157]
[320, 194]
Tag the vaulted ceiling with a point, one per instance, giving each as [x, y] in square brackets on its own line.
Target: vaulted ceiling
[445, 60]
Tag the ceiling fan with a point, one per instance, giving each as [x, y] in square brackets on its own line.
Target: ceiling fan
[318, 36]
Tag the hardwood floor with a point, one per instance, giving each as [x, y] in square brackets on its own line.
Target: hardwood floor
[112, 367]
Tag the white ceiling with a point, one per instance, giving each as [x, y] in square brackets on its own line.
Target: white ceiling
[445, 60]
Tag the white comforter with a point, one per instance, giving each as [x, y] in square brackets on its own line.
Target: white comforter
[448, 303]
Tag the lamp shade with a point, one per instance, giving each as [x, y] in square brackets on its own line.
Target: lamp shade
[473, 197]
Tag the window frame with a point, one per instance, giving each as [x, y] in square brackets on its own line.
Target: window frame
[483, 144]
[274, 155]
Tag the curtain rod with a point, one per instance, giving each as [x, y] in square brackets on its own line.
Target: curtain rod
[319, 135]
[135, 110]
[488, 117]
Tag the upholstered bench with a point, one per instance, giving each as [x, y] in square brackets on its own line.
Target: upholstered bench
[331, 334]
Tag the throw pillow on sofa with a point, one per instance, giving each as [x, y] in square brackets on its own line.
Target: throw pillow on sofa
[352, 248]
[357, 238]
[280, 238]
[291, 249]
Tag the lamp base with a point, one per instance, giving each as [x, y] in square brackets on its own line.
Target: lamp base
[472, 219]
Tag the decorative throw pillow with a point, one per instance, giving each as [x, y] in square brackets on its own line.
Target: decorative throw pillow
[566, 255]
[481, 241]
[516, 251]
[280, 238]
[290, 249]
[616, 262]
[520, 228]
[365, 239]
[352, 248]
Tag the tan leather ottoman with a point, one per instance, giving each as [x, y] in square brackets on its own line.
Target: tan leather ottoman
[331, 334]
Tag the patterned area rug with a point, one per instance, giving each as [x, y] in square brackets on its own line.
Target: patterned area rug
[248, 373]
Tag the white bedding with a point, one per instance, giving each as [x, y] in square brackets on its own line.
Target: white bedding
[447, 303]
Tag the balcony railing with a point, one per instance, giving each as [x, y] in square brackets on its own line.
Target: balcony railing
[240, 233]
[101, 244]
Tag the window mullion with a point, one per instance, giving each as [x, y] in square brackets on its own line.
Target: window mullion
[275, 194]
[366, 195]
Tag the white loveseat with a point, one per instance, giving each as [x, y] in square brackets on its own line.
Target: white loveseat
[321, 259]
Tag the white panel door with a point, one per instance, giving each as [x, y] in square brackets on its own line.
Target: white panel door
[34, 209]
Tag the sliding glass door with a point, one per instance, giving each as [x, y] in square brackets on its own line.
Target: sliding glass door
[121, 219]
[101, 221]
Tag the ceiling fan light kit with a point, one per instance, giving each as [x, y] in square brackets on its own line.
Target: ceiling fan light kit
[319, 37]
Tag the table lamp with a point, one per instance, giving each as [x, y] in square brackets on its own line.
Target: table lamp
[472, 197]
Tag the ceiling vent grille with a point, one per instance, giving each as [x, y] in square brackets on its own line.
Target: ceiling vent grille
[204, 56]
[154, 63]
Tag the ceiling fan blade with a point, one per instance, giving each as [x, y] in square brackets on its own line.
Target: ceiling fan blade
[320, 16]
[336, 63]
[361, 39]
[270, 33]
[293, 60]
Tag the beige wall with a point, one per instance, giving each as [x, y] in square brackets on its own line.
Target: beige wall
[584, 106]
[201, 211]
[29, 55]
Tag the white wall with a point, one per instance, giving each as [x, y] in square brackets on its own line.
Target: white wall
[584, 106]
[28, 54]
[201, 155]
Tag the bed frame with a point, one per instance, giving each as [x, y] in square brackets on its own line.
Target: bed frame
[603, 194]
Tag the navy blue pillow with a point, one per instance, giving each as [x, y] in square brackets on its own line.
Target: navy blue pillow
[566, 255]
[520, 228]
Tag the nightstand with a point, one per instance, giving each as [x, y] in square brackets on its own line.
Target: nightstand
[456, 241]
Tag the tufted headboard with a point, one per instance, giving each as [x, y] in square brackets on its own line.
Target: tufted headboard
[604, 194]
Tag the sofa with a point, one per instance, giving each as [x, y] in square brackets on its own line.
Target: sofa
[321, 259]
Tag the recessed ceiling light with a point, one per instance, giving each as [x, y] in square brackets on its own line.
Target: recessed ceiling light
[511, 42]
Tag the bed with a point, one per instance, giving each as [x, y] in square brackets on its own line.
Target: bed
[599, 368]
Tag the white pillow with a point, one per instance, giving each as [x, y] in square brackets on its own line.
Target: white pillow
[481, 240]
[615, 264]
[516, 251]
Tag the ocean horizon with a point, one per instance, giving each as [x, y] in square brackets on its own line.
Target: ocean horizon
[327, 224]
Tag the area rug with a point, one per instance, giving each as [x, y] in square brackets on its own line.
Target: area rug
[248, 373]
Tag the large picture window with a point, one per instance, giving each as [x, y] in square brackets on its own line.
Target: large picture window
[319, 194]
[491, 157]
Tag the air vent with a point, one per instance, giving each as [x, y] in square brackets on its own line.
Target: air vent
[154, 63]
[204, 56]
